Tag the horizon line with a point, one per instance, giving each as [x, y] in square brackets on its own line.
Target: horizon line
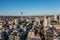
[31, 15]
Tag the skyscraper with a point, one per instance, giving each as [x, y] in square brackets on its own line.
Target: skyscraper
[55, 17]
[59, 18]
[16, 21]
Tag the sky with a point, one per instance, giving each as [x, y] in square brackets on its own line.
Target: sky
[29, 7]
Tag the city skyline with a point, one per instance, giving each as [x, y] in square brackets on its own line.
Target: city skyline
[29, 7]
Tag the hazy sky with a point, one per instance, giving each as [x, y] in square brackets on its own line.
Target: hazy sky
[29, 7]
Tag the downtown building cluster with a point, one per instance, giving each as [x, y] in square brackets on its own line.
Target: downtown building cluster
[30, 28]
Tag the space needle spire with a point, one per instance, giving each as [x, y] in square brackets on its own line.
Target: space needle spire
[21, 15]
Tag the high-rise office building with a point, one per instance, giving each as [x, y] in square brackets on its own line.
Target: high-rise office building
[10, 22]
[45, 21]
[15, 26]
[17, 37]
[1, 25]
[45, 25]
[16, 21]
[55, 17]
[30, 35]
[37, 20]
[49, 21]
[0, 34]
[34, 23]
[21, 26]
[11, 36]
[59, 18]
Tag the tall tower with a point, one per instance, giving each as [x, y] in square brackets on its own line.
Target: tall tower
[16, 21]
[45, 21]
[1, 26]
[15, 26]
[37, 20]
[49, 21]
[30, 21]
[55, 17]
[45, 25]
[21, 16]
[59, 18]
